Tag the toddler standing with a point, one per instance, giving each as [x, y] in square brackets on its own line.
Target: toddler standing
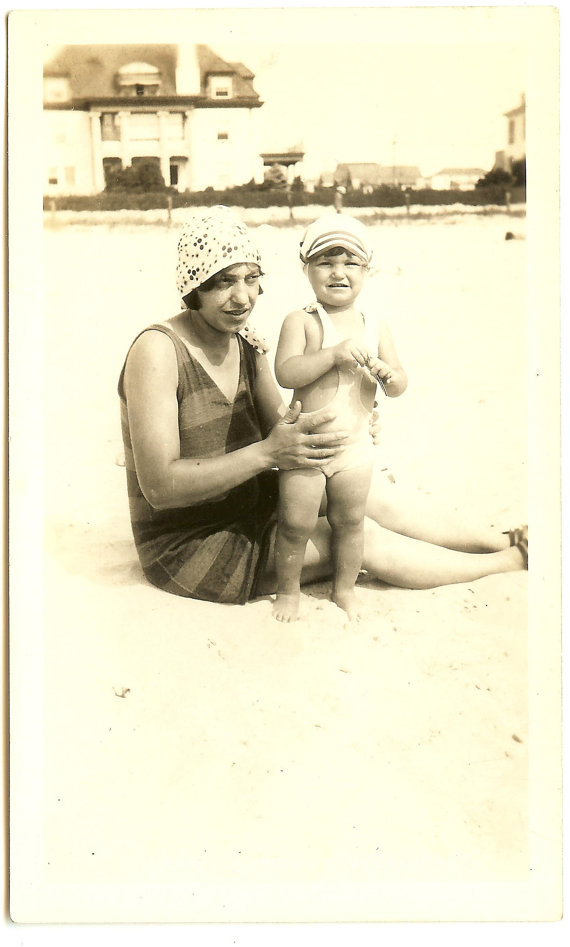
[331, 355]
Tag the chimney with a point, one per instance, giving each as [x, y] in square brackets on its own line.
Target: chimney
[187, 70]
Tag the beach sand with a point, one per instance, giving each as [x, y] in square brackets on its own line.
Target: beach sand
[216, 753]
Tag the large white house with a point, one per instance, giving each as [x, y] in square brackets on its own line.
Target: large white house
[515, 147]
[180, 105]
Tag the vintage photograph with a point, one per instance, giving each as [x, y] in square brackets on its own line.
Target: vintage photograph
[283, 340]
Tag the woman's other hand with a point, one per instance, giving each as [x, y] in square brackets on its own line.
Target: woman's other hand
[375, 426]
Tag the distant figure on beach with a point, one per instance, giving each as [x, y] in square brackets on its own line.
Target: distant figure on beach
[205, 431]
[339, 198]
[331, 354]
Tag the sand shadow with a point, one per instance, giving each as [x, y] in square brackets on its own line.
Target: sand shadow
[104, 552]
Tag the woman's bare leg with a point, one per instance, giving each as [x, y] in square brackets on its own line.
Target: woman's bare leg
[400, 560]
[411, 514]
[414, 564]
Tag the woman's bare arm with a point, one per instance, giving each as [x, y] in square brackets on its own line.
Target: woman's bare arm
[169, 481]
[268, 399]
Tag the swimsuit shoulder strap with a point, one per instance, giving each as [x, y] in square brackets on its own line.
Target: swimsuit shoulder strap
[371, 333]
[330, 335]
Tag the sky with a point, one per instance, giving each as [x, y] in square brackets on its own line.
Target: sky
[433, 105]
[425, 86]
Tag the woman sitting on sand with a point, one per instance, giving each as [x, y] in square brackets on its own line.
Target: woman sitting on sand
[205, 428]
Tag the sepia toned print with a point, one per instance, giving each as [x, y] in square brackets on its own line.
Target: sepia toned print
[185, 759]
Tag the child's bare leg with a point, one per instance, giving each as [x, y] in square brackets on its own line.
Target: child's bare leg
[300, 493]
[346, 502]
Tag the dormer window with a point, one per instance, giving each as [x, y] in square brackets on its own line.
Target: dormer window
[138, 78]
[220, 87]
[56, 89]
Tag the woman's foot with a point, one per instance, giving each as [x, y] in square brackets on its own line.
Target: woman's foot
[286, 606]
[348, 601]
[519, 537]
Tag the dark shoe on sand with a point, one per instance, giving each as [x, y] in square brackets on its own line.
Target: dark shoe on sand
[519, 537]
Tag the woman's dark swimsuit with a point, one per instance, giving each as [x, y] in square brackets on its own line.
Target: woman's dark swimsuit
[214, 550]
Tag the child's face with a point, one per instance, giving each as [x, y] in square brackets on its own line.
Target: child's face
[336, 277]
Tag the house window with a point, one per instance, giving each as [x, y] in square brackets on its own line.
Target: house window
[220, 87]
[52, 176]
[56, 89]
[143, 126]
[223, 136]
[110, 167]
[138, 78]
[110, 128]
[173, 175]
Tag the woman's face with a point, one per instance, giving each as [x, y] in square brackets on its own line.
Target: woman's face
[227, 306]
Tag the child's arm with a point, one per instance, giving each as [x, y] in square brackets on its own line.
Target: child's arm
[295, 368]
[387, 365]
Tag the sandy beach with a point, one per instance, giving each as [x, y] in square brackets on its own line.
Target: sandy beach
[212, 751]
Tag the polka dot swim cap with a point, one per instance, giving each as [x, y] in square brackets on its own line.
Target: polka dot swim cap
[209, 242]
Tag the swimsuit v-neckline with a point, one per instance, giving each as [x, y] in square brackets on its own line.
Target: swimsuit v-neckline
[204, 370]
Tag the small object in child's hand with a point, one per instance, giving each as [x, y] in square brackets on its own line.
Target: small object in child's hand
[375, 376]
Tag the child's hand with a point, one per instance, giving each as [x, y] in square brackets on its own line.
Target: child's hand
[350, 352]
[380, 369]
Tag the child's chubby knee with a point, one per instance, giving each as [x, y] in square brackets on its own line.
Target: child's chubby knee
[295, 527]
[345, 517]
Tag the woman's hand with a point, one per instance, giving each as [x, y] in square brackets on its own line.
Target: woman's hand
[291, 443]
[374, 426]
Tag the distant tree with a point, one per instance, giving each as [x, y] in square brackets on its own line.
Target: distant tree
[498, 176]
[143, 176]
[276, 176]
[518, 171]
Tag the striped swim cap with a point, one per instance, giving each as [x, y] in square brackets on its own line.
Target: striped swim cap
[335, 230]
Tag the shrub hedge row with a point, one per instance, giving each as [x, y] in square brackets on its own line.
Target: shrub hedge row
[272, 197]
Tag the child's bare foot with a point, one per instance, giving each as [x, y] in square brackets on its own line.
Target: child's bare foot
[286, 606]
[348, 601]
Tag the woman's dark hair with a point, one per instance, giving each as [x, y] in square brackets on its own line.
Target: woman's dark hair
[192, 299]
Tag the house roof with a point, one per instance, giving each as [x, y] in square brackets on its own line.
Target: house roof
[92, 70]
[369, 172]
[521, 107]
[465, 172]
[516, 111]
[358, 169]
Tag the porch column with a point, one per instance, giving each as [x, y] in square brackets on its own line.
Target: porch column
[126, 156]
[163, 149]
[189, 170]
[97, 152]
